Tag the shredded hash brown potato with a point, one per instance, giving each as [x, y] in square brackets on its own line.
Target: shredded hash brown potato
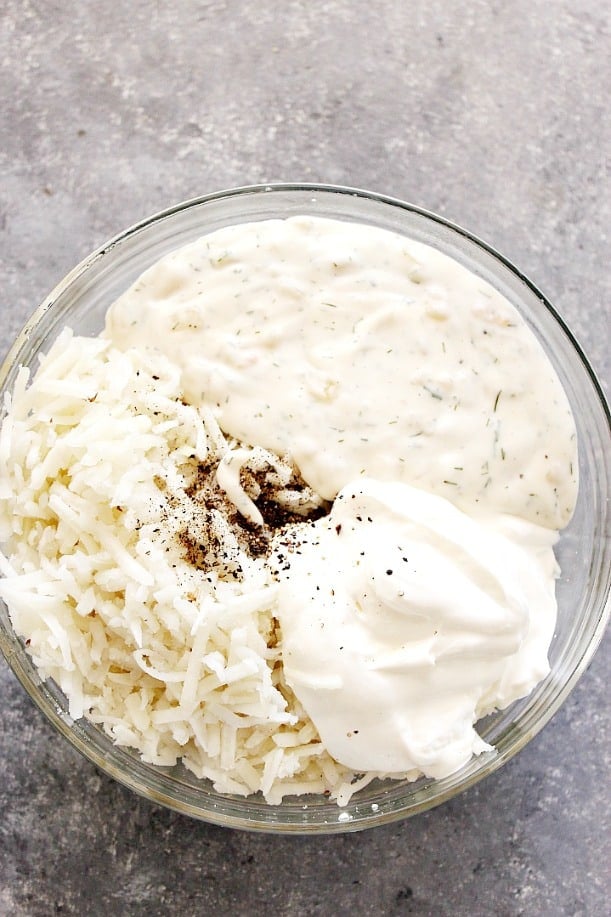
[180, 660]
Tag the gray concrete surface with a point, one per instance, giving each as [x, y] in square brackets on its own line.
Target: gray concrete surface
[493, 114]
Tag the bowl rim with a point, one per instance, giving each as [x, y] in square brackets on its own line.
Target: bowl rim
[63, 723]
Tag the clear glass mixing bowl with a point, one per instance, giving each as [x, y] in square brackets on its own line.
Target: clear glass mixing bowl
[81, 300]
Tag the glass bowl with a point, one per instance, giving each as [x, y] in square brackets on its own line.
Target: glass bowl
[81, 300]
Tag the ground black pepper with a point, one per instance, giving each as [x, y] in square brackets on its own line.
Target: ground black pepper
[207, 501]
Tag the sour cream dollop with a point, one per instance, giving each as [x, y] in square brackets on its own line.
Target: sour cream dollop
[404, 621]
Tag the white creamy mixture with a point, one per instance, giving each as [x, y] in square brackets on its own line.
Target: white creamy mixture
[404, 621]
[361, 352]
[382, 366]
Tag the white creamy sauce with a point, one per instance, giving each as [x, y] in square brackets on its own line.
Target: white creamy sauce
[361, 352]
[399, 380]
[404, 621]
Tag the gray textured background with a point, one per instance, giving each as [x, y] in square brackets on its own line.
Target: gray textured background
[491, 113]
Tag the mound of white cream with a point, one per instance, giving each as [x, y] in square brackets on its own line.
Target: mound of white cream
[404, 621]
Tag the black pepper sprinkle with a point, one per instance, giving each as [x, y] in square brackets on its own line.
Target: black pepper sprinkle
[389, 573]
